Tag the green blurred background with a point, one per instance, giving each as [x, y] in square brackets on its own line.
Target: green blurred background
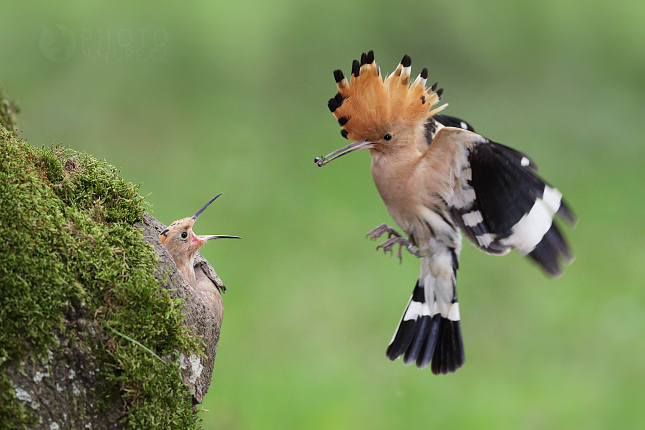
[196, 98]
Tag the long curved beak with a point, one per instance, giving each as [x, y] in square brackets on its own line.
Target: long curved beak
[355, 146]
[199, 212]
[218, 236]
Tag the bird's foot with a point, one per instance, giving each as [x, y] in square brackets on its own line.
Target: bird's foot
[383, 228]
[394, 238]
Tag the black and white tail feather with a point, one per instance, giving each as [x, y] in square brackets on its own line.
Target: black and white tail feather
[500, 204]
[429, 330]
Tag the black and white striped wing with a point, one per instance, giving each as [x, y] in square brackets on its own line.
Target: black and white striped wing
[501, 204]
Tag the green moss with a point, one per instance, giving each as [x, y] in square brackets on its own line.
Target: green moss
[12, 413]
[67, 241]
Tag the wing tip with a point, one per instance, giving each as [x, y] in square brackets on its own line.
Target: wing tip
[565, 213]
[551, 251]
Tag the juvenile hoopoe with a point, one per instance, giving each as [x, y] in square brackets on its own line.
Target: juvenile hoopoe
[183, 245]
[437, 177]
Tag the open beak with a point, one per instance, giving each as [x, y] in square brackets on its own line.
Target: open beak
[355, 146]
[211, 236]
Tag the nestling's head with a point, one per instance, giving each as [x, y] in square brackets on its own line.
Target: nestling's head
[379, 114]
[183, 243]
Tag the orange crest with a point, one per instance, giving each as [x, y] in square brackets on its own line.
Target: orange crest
[368, 105]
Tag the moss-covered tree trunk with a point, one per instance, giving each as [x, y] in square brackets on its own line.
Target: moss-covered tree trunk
[97, 327]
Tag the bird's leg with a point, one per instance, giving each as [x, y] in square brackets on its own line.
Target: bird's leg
[394, 238]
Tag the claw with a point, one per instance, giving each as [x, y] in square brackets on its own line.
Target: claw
[383, 228]
[402, 242]
[393, 238]
[388, 245]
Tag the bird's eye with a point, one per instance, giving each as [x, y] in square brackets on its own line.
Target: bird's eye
[184, 235]
[388, 136]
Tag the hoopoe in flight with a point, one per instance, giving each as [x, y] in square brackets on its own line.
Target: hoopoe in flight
[183, 244]
[437, 177]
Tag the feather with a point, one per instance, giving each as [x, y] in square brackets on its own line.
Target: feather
[501, 204]
[429, 330]
[368, 104]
